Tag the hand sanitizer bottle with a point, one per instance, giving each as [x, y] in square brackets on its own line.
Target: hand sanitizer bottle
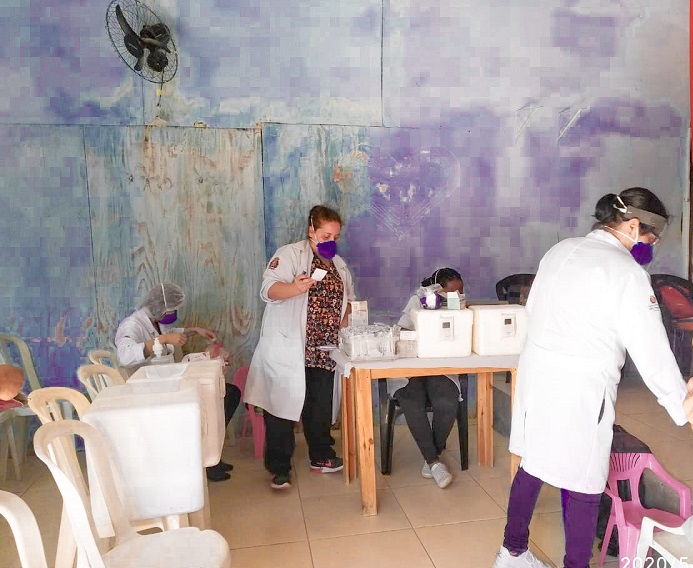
[157, 348]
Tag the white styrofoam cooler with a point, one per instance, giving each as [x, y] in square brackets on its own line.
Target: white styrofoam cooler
[499, 329]
[154, 431]
[443, 333]
[208, 377]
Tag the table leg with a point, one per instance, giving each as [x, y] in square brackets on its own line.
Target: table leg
[484, 413]
[348, 430]
[514, 460]
[365, 444]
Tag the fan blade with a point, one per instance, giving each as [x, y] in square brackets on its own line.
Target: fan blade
[140, 62]
[127, 30]
[154, 44]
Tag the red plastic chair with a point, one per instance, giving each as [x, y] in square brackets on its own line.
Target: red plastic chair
[627, 516]
[675, 297]
[251, 417]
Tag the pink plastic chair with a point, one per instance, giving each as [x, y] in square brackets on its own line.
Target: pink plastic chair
[627, 515]
[251, 417]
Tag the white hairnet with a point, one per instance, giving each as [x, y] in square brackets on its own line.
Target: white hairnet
[164, 297]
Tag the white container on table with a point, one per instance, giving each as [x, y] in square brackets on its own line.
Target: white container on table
[499, 329]
[154, 433]
[443, 333]
[207, 376]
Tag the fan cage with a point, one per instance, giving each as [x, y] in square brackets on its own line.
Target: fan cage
[138, 15]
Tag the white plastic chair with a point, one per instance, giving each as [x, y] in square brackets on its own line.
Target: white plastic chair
[674, 544]
[181, 548]
[9, 343]
[104, 357]
[7, 442]
[56, 404]
[25, 530]
[97, 377]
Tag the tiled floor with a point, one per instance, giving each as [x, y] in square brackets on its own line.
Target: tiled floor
[318, 522]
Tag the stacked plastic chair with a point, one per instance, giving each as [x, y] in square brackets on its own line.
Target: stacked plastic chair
[627, 516]
[180, 548]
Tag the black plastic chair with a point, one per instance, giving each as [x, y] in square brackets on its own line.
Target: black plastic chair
[675, 297]
[390, 410]
[514, 289]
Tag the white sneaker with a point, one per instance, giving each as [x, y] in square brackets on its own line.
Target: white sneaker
[426, 471]
[441, 475]
[525, 560]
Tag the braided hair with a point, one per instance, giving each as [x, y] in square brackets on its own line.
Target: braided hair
[442, 276]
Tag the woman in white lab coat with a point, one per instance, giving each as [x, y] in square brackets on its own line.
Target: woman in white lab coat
[441, 391]
[307, 287]
[591, 302]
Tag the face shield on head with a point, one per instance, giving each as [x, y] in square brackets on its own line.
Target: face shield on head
[642, 252]
[165, 298]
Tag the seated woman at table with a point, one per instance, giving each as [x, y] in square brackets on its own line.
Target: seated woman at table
[441, 391]
[135, 341]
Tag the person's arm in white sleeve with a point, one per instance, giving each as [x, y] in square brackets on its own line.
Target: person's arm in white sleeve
[281, 279]
[405, 321]
[643, 334]
[130, 344]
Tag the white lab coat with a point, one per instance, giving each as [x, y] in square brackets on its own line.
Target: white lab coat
[405, 321]
[130, 337]
[276, 379]
[590, 303]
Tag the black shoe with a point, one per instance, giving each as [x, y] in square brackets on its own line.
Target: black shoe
[281, 481]
[216, 473]
[330, 465]
[225, 466]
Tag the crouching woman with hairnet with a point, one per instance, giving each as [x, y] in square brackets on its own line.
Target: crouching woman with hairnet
[135, 341]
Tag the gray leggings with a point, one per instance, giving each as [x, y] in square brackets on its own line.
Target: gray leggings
[443, 395]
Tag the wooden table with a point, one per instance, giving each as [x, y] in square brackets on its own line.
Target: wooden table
[357, 406]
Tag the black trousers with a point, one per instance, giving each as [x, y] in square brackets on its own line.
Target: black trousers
[443, 396]
[280, 441]
[232, 398]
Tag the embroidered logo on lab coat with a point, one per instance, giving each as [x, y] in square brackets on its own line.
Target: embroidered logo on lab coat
[274, 263]
[653, 300]
[654, 306]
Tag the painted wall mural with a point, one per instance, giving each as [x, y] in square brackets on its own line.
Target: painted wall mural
[446, 133]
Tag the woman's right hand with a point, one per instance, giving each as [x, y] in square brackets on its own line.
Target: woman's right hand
[303, 282]
[178, 339]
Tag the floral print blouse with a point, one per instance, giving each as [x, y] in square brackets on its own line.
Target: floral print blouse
[324, 315]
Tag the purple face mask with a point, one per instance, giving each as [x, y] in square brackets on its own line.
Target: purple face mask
[327, 249]
[168, 319]
[642, 253]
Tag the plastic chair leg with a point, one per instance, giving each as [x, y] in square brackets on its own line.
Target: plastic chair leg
[391, 417]
[7, 443]
[463, 431]
[244, 429]
[629, 547]
[607, 538]
[67, 547]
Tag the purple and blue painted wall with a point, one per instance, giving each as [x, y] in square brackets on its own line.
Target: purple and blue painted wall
[446, 133]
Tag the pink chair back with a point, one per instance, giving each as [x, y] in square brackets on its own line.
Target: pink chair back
[630, 467]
